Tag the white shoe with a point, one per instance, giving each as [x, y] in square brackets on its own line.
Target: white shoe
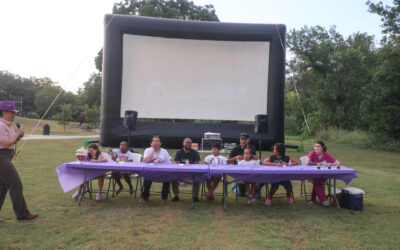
[325, 203]
[98, 197]
[76, 195]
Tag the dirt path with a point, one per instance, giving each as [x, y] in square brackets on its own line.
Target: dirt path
[50, 137]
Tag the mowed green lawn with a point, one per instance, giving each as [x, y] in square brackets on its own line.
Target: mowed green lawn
[123, 222]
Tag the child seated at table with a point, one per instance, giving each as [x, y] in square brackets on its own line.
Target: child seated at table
[248, 160]
[214, 159]
[279, 158]
[93, 154]
[317, 156]
[123, 154]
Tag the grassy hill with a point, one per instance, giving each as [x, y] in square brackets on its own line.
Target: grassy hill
[55, 128]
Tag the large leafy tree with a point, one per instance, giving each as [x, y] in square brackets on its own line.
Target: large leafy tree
[330, 73]
[381, 107]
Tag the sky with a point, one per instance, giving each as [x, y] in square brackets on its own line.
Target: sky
[59, 39]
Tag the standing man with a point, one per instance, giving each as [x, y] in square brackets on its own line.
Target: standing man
[9, 178]
[237, 152]
[186, 155]
[155, 154]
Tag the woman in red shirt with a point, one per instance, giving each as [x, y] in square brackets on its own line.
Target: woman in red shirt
[319, 155]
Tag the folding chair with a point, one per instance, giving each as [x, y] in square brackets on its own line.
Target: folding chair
[136, 158]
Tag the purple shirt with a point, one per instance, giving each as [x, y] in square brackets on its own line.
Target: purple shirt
[325, 157]
[6, 131]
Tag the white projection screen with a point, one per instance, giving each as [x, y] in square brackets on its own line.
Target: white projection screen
[194, 79]
[182, 78]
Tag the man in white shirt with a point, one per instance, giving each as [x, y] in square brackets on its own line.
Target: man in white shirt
[122, 155]
[155, 154]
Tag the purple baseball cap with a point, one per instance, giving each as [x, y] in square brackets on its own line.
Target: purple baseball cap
[8, 106]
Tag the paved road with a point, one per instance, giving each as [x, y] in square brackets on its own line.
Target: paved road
[50, 137]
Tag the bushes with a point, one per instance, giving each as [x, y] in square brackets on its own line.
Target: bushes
[358, 138]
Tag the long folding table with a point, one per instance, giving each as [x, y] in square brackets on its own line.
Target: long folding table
[72, 174]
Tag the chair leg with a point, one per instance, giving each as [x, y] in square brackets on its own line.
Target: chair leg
[108, 189]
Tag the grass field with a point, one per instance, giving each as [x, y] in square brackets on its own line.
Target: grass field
[55, 128]
[122, 222]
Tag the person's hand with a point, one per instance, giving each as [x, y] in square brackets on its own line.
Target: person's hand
[239, 157]
[20, 132]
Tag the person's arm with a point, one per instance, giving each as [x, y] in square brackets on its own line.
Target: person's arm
[19, 133]
[101, 159]
[308, 161]
[206, 160]
[148, 155]
[130, 156]
[269, 163]
[197, 158]
[293, 162]
[176, 158]
[111, 153]
[233, 159]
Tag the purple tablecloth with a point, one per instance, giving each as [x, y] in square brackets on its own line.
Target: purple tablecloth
[271, 174]
[72, 174]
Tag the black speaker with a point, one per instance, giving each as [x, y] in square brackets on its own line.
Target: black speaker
[261, 124]
[130, 119]
[207, 144]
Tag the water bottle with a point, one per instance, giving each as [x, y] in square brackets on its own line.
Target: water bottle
[325, 165]
[187, 162]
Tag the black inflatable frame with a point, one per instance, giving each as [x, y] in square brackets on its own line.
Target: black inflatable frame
[172, 134]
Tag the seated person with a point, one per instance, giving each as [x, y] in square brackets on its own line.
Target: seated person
[248, 160]
[94, 155]
[214, 159]
[186, 155]
[279, 158]
[122, 155]
[319, 155]
[155, 154]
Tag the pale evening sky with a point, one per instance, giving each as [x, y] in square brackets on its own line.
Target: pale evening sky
[59, 39]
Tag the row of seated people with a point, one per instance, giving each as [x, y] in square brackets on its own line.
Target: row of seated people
[243, 154]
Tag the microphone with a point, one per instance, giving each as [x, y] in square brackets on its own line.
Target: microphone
[18, 124]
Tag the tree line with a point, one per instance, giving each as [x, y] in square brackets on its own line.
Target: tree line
[346, 83]
[37, 95]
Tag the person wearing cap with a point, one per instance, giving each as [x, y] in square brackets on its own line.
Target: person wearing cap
[236, 154]
[9, 178]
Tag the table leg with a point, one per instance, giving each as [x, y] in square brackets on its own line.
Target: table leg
[334, 194]
[224, 193]
[193, 192]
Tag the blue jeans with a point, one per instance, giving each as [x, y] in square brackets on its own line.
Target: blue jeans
[146, 190]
